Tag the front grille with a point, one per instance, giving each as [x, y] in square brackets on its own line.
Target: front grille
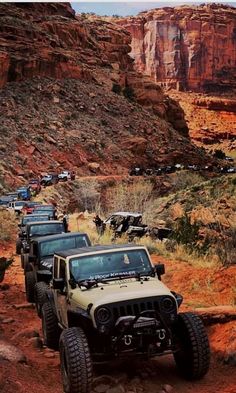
[134, 308]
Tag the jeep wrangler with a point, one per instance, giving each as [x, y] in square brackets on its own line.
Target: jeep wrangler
[38, 267]
[108, 302]
[36, 229]
[22, 227]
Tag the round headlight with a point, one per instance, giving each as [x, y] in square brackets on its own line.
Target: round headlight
[168, 304]
[103, 315]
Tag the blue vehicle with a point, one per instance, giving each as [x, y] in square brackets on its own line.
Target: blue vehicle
[25, 193]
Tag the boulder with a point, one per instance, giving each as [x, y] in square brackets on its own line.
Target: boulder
[11, 353]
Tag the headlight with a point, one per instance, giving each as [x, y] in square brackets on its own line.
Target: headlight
[103, 315]
[168, 304]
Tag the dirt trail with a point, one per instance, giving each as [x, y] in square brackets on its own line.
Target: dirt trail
[41, 373]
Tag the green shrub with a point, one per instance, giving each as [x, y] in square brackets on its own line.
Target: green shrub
[116, 88]
[128, 92]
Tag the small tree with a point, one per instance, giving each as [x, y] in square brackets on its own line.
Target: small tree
[218, 153]
[128, 93]
[116, 88]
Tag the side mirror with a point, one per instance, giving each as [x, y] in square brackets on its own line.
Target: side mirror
[58, 283]
[160, 270]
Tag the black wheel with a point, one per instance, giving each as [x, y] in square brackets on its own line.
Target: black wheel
[18, 246]
[40, 296]
[51, 330]
[22, 261]
[29, 286]
[26, 265]
[193, 355]
[76, 362]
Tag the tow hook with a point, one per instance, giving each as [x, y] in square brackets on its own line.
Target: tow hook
[161, 334]
[127, 339]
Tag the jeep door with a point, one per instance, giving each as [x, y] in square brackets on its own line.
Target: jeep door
[61, 296]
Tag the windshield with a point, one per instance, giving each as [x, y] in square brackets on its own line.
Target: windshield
[27, 219]
[51, 246]
[19, 203]
[110, 265]
[33, 204]
[46, 229]
[41, 207]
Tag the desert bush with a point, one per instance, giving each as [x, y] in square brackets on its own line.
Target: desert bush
[218, 153]
[7, 226]
[184, 179]
[187, 233]
[226, 247]
[116, 88]
[128, 92]
[89, 196]
[129, 197]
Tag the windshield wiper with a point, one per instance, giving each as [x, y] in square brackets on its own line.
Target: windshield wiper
[89, 283]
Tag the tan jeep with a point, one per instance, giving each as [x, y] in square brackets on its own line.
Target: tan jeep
[107, 302]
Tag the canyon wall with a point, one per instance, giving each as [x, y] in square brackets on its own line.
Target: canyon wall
[49, 40]
[187, 47]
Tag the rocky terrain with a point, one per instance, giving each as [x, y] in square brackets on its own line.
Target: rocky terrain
[49, 41]
[26, 364]
[211, 119]
[186, 47]
[71, 98]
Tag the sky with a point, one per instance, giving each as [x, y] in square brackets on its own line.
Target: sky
[127, 8]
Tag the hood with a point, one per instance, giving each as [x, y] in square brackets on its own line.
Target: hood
[46, 263]
[118, 291]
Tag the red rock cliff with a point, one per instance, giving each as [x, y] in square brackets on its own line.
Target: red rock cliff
[186, 47]
[48, 40]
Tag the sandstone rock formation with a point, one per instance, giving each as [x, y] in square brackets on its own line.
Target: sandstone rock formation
[187, 47]
[48, 40]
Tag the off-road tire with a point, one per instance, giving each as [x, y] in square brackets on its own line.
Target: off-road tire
[29, 286]
[22, 261]
[40, 296]
[18, 246]
[27, 267]
[76, 362]
[193, 356]
[51, 330]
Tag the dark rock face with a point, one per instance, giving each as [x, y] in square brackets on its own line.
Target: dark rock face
[188, 47]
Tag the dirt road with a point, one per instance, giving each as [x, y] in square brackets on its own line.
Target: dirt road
[41, 373]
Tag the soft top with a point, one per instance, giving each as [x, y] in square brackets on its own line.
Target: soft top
[42, 239]
[44, 222]
[85, 250]
[126, 214]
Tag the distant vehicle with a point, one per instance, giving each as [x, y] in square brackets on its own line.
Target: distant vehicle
[4, 200]
[38, 268]
[36, 229]
[25, 193]
[66, 175]
[15, 195]
[49, 180]
[47, 209]
[136, 171]
[126, 222]
[17, 206]
[29, 207]
[35, 185]
[227, 158]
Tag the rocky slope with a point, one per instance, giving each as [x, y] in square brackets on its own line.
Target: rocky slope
[58, 109]
[186, 47]
[211, 119]
[48, 40]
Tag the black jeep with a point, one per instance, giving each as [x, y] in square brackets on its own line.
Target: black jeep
[22, 228]
[38, 267]
[36, 229]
